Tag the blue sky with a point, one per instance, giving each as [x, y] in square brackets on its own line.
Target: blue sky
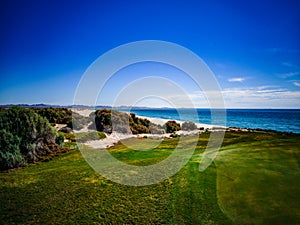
[252, 47]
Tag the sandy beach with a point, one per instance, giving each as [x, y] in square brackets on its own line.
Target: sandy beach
[163, 121]
[114, 137]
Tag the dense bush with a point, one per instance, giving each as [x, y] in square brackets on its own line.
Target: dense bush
[25, 137]
[10, 155]
[59, 139]
[107, 121]
[188, 126]
[138, 125]
[171, 126]
[63, 116]
[55, 115]
[103, 120]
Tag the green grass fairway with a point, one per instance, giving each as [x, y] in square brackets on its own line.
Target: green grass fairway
[255, 179]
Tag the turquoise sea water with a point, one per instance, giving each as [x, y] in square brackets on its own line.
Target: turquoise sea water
[287, 120]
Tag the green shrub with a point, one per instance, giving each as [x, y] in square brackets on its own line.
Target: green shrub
[103, 120]
[139, 129]
[174, 135]
[171, 126]
[101, 135]
[10, 155]
[107, 121]
[69, 136]
[70, 145]
[188, 126]
[55, 115]
[59, 139]
[63, 116]
[138, 125]
[26, 137]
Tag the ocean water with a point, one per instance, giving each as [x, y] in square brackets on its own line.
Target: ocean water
[286, 120]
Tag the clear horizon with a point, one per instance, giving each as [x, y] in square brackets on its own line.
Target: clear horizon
[252, 47]
[128, 106]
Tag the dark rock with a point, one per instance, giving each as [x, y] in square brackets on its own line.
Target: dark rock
[66, 130]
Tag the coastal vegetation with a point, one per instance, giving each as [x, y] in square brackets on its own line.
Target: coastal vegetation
[188, 126]
[63, 116]
[254, 180]
[55, 115]
[28, 135]
[171, 126]
[25, 137]
[107, 121]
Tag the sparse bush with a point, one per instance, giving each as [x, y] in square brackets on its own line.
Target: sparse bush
[156, 129]
[188, 126]
[90, 136]
[78, 121]
[69, 136]
[101, 135]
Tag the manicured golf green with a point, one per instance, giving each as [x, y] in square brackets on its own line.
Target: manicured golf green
[255, 179]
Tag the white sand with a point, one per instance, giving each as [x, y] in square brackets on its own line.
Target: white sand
[86, 113]
[163, 121]
[84, 129]
[110, 140]
[83, 112]
[58, 126]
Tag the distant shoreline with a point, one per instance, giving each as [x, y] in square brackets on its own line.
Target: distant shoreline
[114, 138]
[42, 105]
[279, 120]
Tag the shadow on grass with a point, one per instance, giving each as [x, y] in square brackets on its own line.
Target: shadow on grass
[259, 183]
